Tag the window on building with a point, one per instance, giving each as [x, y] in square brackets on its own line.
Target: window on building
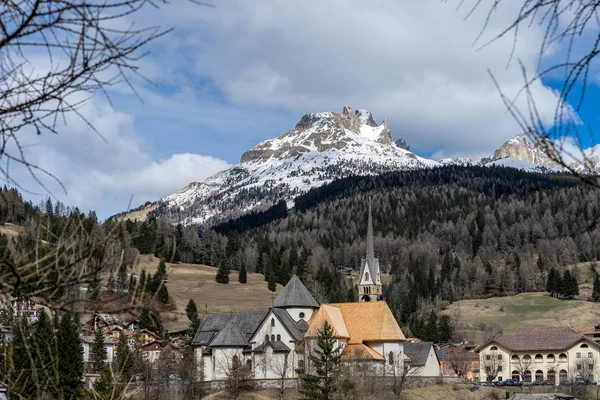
[499, 356]
[488, 357]
[272, 338]
[591, 367]
[493, 348]
[514, 358]
[590, 355]
[272, 321]
[526, 357]
[562, 357]
[278, 338]
[539, 358]
[578, 355]
[301, 364]
[499, 368]
[366, 276]
[249, 364]
[500, 378]
[266, 338]
[584, 346]
[301, 315]
[550, 358]
[578, 366]
[391, 357]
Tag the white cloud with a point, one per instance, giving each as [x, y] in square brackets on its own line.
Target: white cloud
[412, 61]
[103, 172]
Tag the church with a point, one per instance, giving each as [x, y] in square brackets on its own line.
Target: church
[278, 343]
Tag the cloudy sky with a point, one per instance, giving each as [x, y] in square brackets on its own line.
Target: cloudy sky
[243, 71]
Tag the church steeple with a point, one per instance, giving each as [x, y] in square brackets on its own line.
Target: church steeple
[370, 251]
[369, 284]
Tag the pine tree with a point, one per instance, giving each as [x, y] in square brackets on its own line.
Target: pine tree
[44, 345]
[70, 358]
[124, 359]
[20, 384]
[222, 275]
[596, 290]
[326, 360]
[430, 330]
[163, 294]
[550, 282]
[192, 313]
[272, 285]
[243, 275]
[445, 330]
[98, 351]
[145, 319]
[567, 288]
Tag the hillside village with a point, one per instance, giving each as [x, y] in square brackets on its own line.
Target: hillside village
[276, 348]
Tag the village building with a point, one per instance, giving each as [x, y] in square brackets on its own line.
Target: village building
[24, 308]
[367, 332]
[151, 351]
[369, 281]
[269, 342]
[592, 332]
[422, 360]
[554, 354]
[458, 360]
[88, 342]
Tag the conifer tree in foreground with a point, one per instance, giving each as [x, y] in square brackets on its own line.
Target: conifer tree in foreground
[192, 313]
[163, 294]
[222, 274]
[20, 383]
[243, 275]
[325, 361]
[124, 359]
[99, 352]
[44, 345]
[70, 358]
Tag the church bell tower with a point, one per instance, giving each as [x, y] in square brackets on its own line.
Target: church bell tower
[369, 283]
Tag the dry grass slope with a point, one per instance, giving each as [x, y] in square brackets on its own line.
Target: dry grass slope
[523, 310]
[194, 281]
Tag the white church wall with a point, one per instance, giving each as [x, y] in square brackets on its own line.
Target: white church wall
[273, 328]
[298, 313]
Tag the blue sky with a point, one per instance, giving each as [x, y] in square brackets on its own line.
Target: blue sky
[241, 72]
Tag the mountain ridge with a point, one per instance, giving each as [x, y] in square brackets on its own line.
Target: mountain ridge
[322, 147]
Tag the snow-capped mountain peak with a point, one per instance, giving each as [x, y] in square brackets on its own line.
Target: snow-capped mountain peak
[322, 147]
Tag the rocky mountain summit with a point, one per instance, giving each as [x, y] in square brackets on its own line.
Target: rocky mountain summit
[322, 147]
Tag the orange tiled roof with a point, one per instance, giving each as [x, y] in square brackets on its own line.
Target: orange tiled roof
[333, 315]
[358, 322]
[361, 352]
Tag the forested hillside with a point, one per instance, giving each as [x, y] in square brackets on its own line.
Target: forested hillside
[445, 234]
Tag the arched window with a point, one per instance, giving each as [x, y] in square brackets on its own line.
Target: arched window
[527, 376]
[493, 348]
[539, 375]
[526, 357]
[236, 360]
[562, 358]
[249, 364]
[266, 338]
[272, 338]
[584, 346]
[550, 358]
[539, 358]
[278, 338]
[516, 375]
[514, 358]
[391, 356]
[563, 375]
[366, 276]
[272, 321]
[552, 376]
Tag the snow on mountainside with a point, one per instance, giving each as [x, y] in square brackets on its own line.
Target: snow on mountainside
[322, 147]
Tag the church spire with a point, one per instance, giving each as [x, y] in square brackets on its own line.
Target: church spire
[370, 251]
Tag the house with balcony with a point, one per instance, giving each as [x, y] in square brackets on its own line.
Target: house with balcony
[552, 354]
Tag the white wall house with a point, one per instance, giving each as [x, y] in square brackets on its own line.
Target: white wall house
[88, 342]
[553, 354]
[422, 359]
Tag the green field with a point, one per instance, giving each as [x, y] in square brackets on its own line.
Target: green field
[524, 310]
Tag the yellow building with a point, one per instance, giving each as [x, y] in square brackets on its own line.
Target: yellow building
[554, 354]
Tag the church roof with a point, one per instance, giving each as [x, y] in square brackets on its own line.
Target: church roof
[361, 352]
[277, 346]
[234, 327]
[289, 324]
[333, 316]
[295, 294]
[359, 322]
